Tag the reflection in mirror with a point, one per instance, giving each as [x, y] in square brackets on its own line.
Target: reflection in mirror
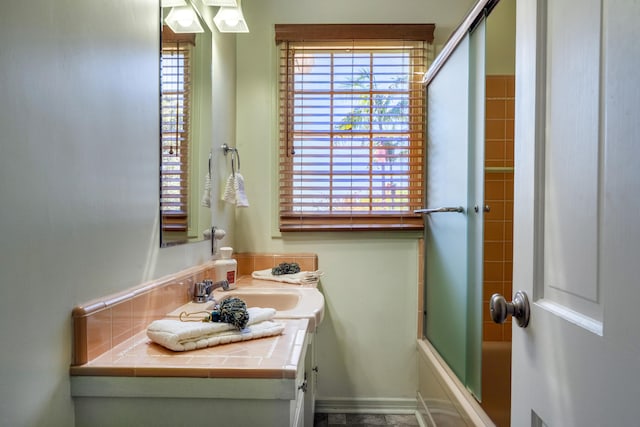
[185, 70]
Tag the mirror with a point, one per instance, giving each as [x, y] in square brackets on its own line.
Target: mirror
[186, 133]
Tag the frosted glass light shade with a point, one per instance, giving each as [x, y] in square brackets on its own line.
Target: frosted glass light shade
[173, 3]
[227, 3]
[231, 20]
[183, 20]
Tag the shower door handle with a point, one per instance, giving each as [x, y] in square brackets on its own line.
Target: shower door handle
[500, 309]
[458, 209]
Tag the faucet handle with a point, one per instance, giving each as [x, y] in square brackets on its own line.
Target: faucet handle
[200, 292]
[224, 284]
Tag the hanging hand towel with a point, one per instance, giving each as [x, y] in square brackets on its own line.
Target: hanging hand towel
[234, 192]
[229, 194]
[206, 195]
[241, 197]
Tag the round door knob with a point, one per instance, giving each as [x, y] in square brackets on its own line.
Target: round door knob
[500, 309]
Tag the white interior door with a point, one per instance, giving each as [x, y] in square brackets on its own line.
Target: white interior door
[577, 213]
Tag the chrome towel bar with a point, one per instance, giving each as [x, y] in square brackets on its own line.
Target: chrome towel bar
[458, 209]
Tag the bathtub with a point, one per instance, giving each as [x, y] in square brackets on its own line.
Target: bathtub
[442, 399]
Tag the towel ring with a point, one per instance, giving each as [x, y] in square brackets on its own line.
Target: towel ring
[233, 164]
[234, 155]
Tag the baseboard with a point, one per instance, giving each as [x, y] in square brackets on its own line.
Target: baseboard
[367, 405]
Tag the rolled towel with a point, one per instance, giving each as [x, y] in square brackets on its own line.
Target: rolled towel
[182, 336]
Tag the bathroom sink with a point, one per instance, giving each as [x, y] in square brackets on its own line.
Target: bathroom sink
[289, 302]
[281, 301]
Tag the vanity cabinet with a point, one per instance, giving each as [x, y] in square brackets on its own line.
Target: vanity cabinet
[311, 374]
[306, 396]
[172, 401]
[182, 401]
[120, 378]
[195, 388]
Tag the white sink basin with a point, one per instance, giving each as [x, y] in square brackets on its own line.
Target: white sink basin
[292, 302]
[281, 301]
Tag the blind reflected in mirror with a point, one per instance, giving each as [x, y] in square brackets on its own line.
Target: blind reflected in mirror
[185, 134]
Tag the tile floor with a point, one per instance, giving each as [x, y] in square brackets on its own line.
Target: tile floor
[362, 420]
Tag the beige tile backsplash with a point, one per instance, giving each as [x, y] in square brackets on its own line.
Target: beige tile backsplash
[104, 323]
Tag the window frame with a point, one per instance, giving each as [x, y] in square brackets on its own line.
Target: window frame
[293, 36]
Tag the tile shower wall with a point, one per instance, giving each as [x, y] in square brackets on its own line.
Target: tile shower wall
[498, 222]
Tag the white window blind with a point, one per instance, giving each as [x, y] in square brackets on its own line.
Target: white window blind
[352, 126]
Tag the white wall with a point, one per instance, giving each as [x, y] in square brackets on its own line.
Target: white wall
[79, 191]
[501, 39]
[78, 182]
[367, 343]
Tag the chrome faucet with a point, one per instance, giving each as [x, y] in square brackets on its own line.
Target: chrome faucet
[203, 291]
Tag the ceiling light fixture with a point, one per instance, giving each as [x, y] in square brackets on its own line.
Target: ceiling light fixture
[183, 20]
[227, 3]
[231, 20]
[172, 3]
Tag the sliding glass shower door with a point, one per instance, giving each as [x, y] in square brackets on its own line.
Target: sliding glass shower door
[453, 237]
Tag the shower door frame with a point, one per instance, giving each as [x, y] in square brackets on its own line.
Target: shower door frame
[455, 176]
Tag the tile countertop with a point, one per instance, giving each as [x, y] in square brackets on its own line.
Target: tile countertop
[273, 357]
[270, 357]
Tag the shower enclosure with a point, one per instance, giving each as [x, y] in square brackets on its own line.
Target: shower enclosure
[453, 239]
[470, 170]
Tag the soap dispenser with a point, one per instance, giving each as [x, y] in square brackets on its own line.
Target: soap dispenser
[227, 267]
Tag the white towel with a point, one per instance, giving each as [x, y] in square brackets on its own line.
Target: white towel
[301, 278]
[241, 197]
[229, 193]
[234, 192]
[182, 336]
[206, 195]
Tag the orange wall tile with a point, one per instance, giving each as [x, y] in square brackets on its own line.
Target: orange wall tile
[498, 222]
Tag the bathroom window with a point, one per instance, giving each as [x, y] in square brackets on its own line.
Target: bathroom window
[352, 126]
[175, 129]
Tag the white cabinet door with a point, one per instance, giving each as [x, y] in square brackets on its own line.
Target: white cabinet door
[298, 404]
[311, 371]
[577, 210]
